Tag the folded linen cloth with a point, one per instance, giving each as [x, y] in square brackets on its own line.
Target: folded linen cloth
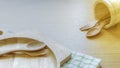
[80, 60]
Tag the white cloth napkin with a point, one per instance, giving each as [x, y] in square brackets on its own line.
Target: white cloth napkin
[80, 60]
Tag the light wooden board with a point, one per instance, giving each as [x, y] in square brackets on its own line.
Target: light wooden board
[58, 54]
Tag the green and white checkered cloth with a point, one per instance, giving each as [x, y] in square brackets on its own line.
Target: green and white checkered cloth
[80, 60]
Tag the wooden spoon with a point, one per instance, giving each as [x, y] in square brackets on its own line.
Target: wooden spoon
[88, 26]
[28, 53]
[32, 46]
[33, 53]
[97, 28]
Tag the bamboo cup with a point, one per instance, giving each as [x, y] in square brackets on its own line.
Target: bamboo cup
[107, 8]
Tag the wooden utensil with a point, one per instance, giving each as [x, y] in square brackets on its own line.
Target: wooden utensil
[97, 28]
[21, 47]
[88, 26]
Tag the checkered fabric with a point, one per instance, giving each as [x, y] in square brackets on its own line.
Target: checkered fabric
[79, 60]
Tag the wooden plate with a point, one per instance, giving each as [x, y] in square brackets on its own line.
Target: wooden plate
[56, 57]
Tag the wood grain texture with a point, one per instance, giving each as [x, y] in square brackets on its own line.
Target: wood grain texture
[105, 46]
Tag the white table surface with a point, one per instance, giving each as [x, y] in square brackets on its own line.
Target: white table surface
[59, 20]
